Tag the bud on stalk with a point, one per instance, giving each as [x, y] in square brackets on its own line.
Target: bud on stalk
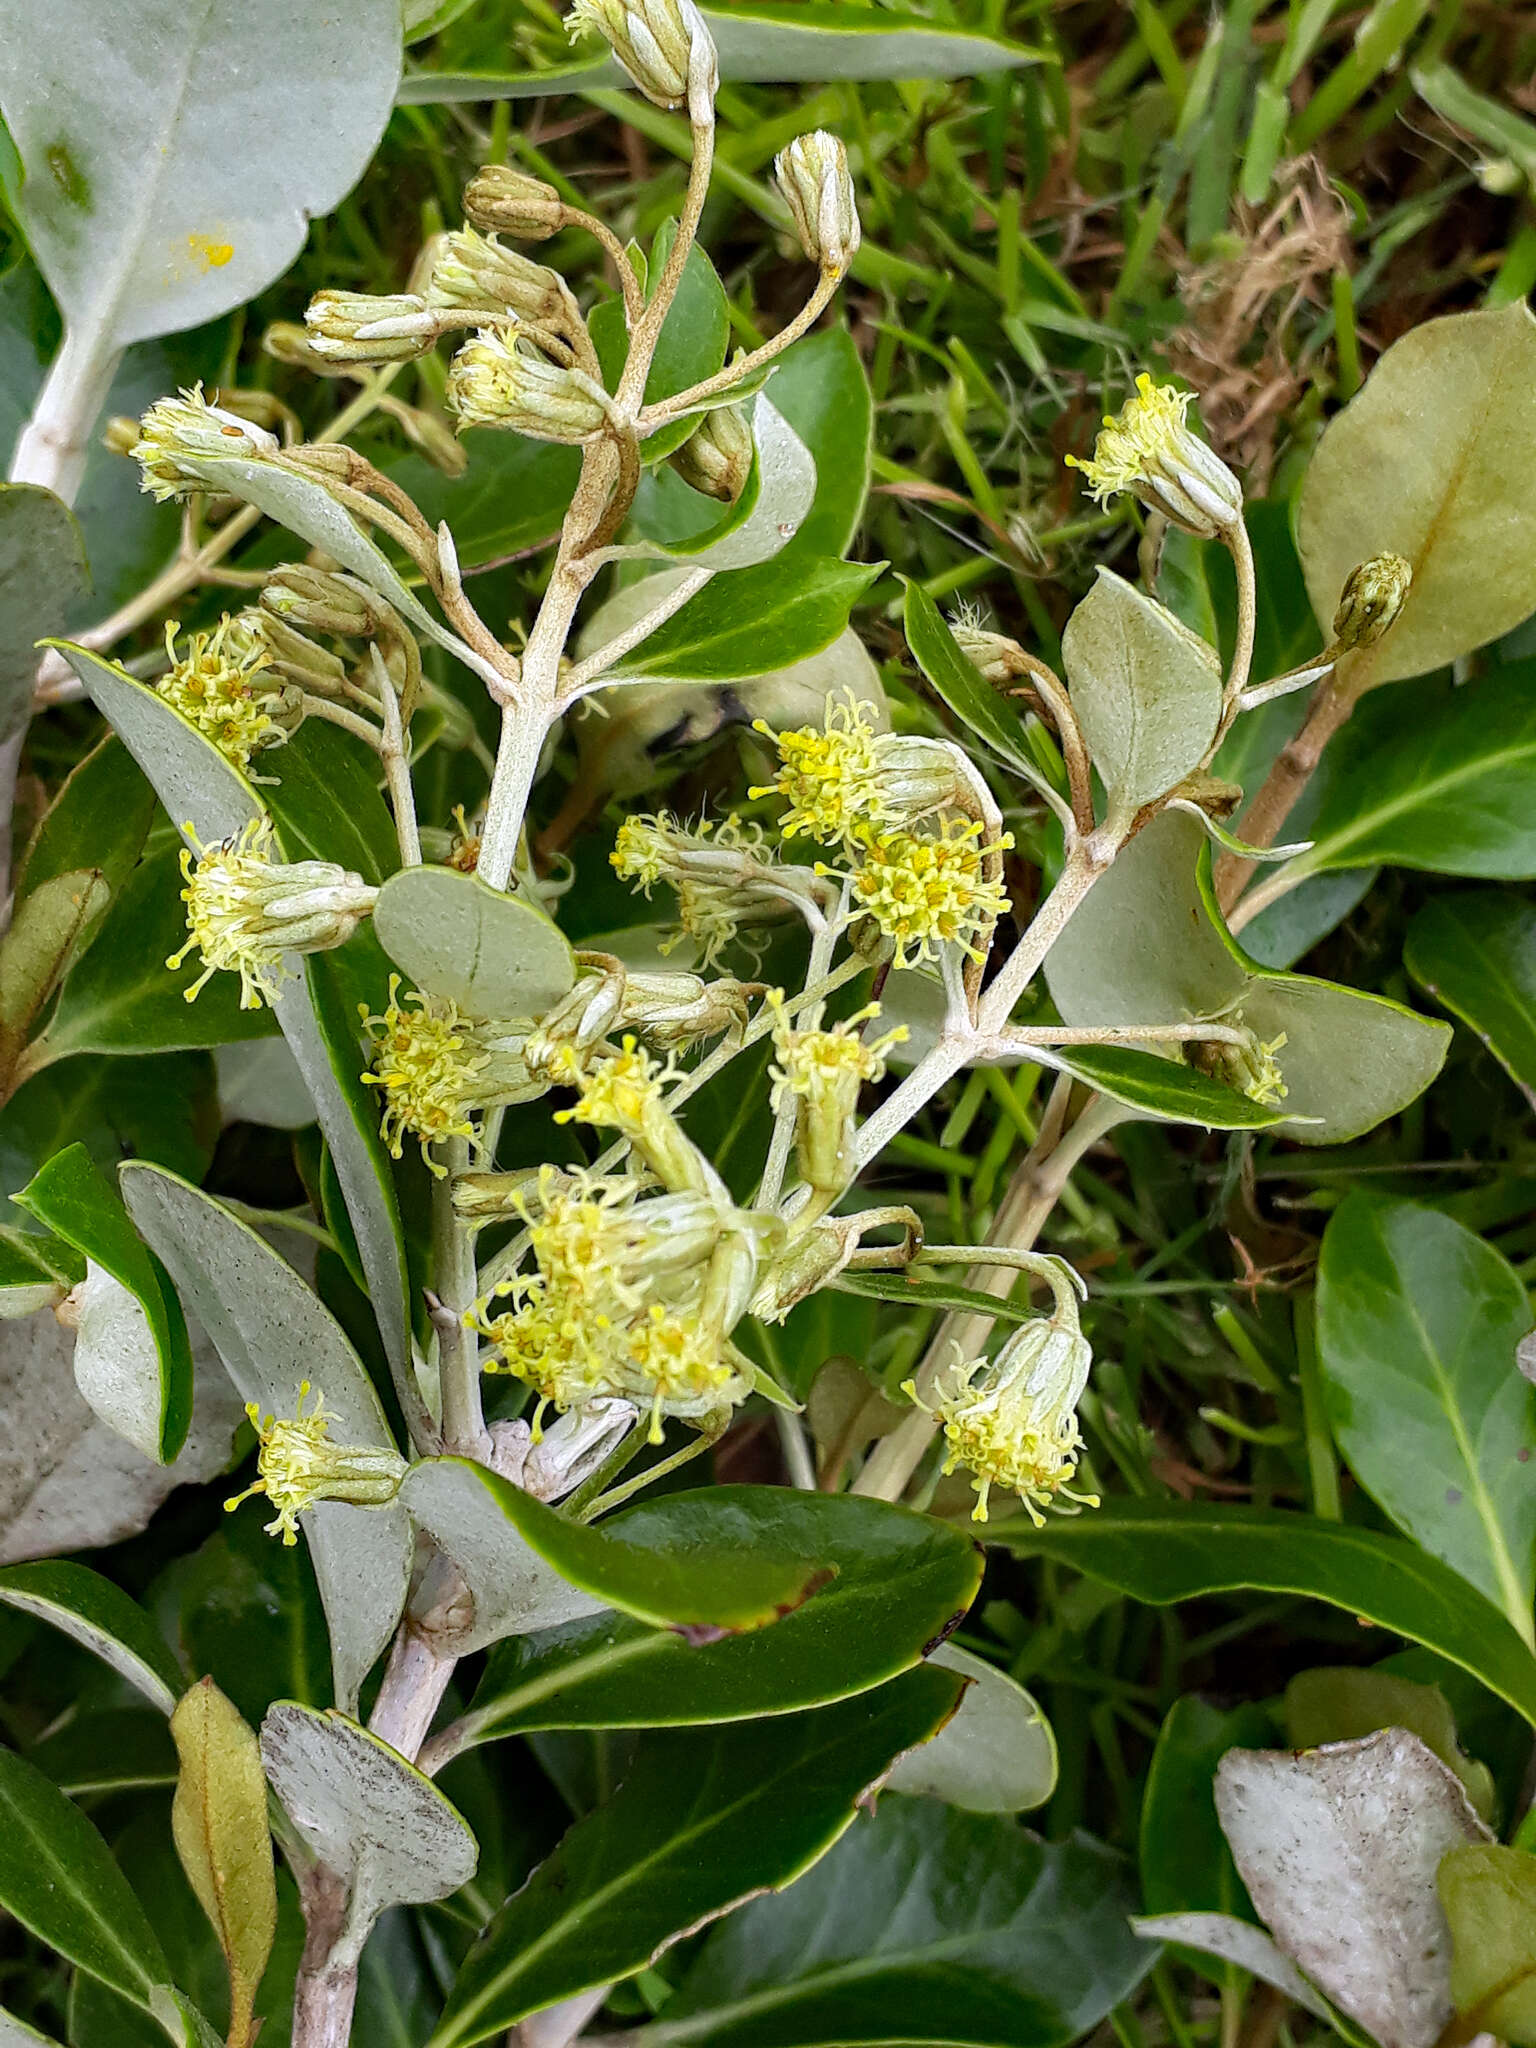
[813, 177]
[1374, 594]
[717, 456]
[660, 43]
[508, 202]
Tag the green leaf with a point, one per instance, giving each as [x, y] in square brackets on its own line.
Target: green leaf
[160, 191]
[691, 346]
[822, 389]
[751, 620]
[58, 1879]
[91, 1610]
[99, 819]
[36, 952]
[1342, 1703]
[199, 787]
[925, 1924]
[1147, 691]
[1428, 463]
[121, 1749]
[1230, 1940]
[1417, 1324]
[1436, 778]
[1166, 1551]
[15, 2033]
[219, 1821]
[1510, 137]
[511, 498]
[162, 1108]
[1186, 1865]
[366, 1812]
[724, 1559]
[248, 1615]
[496, 956]
[35, 1272]
[1164, 1088]
[271, 1333]
[73, 1199]
[1476, 953]
[701, 1822]
[324, 793]
[42, 572]
[1148, 946]
[960, 683]
[779, 492]
[782, 41]
[1489, 1896]
[902, 1582]
[995, 1754]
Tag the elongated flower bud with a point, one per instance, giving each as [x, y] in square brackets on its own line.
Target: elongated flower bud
[177, 434]
[726, 881]
[998, 658]
[813, 176]
[1148, 449]
[496, 382]
[473, 275]
[662, 44]
[360, 327]
[1373, 595]
[717, 456]
[508, 202]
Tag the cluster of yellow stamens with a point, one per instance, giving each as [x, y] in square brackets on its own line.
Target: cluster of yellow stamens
[426, 1060]
[825, 1069]
[297, 1465]
[1252, 1068]
[225, 883]
[722, 871]
[930, 888]
[220, 688]
[830, 778]
[1132, 442]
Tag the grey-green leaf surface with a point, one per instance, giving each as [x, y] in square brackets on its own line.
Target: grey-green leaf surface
[1146, 690]
[271, 1333]
[91, 1610]
[58, 1879]
[175, 154]
[1166, 1551]
[496, 956]
[1186, 1865]
[1418, 1320]
[42, 573]
[366, 1812]
[1434, 777]
[1429, 461]
[15, 2033]
[1476, 953]
[701, 1822]
[765, 519]
[1236, 1941]
[199, 787]
[765, 40]
[925, 1924]
[902, 1581]
[996, 1753]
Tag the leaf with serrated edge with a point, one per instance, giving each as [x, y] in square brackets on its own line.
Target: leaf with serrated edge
[1338, 1848]
[271, 1332]
[101, 1616]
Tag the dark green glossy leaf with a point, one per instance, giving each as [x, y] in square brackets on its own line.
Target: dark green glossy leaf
[93, 1611]
[1166, 1089]
[512, 497]
[326, 798]
[72, 1198]
[1165, 1551]
[36, 1271]
[163, 1107]
[248, 1614]
[1417, 1324]
[1476, 953]
[42, 573]
[960, 683]
[747, 621]
[58, 1879]
[821, 388]
[701, 1822]
[99, 819]
[123, 1749]
[1186, 1865]
[691, 345]
[903, 1581]
[924, 1925]
[35, 954]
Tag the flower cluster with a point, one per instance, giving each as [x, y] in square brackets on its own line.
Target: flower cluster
[177, 435]
[1013, 1422]
[1252, 1068]
[501, 381]
[222, 684]
[297, 1465]
[245, 911]
[723, 873]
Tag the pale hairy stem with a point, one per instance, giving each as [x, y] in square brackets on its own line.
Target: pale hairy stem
[1277, 883]
[629, 284]
[464, 1431]
[589, 674]
[1022, 1040]
[397, 768]
[1247, 615]
[735, 373]
[630, 396]
[337, 714]
[1031, 1195]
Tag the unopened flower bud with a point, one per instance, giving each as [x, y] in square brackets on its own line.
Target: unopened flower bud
[361, 327]
[120, 435]
[497, 382]
[178, 435]
[245, 911]
[813, 176]
[492, 1197]
[322, 601]
[1148, 449]
[998, 658]
[286, 341]
[286, 652]
[1373, 595]
[717, 456]
[471, 274]
[677, 1010]
[508, 202]
[662, 44]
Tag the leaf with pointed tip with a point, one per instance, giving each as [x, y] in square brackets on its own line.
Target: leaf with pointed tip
[1240, 1942]
[91, 1610]
[1476, 953]
[700, 1823]
[271, 1333]
[960, 683]
[753, 619]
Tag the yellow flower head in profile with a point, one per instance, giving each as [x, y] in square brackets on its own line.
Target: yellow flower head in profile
[1013, 1422]
[721, 869]
[928, 889]
[830, 778]
[297, 1465]
[825, 1070]
[427, 1062]
[1148, 448]
[220, 687]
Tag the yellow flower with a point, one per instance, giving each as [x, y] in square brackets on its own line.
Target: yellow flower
[1252, 1068]
[427, 1062]
[722, 873]
[297, 1465]
[218, 686]
[1147, 448]
[928, 889]
[1013, 1422]
[679, 1366]
[830, 778]
[826, 1070]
